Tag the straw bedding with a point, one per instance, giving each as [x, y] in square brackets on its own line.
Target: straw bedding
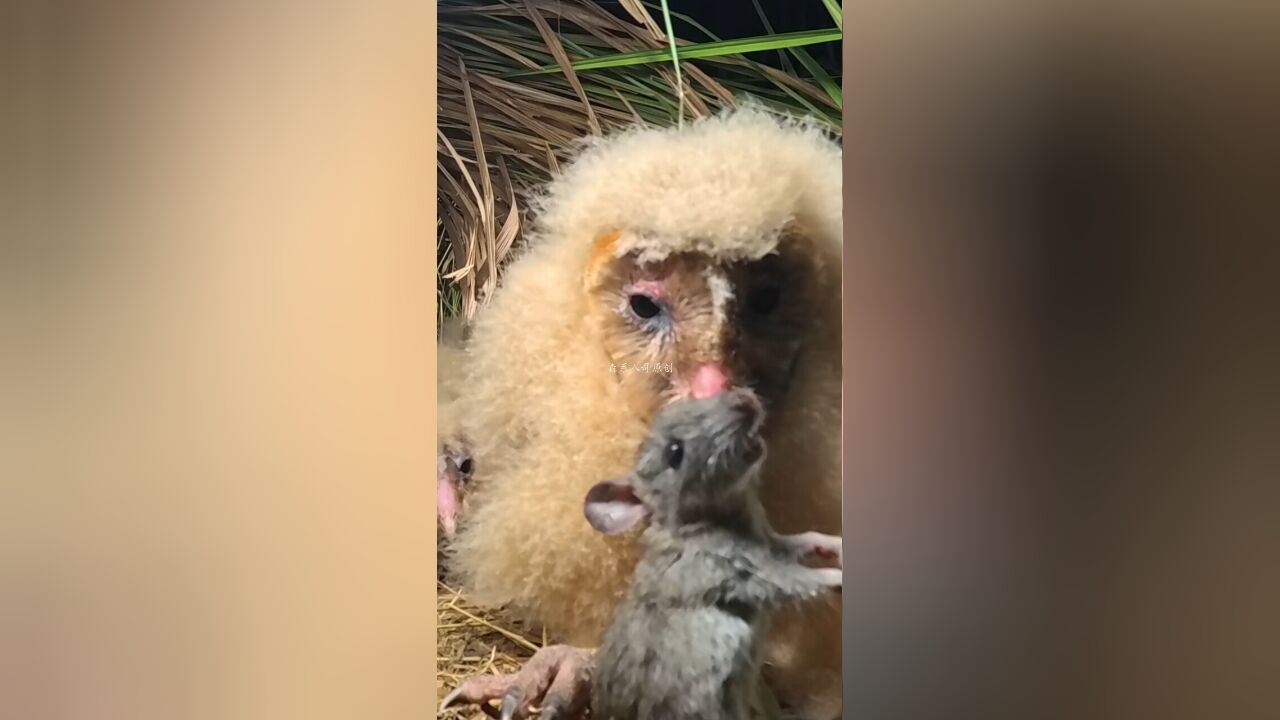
[472, 640]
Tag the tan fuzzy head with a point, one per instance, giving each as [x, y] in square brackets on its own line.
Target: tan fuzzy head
[714, 246]
[666, 262]
[726, 186]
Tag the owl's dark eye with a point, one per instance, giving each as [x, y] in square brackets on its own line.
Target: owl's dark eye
[466, 467]
[764, 300]
[644, 307]
[675, 454]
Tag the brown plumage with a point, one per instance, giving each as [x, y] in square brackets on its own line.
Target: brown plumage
[707, 257]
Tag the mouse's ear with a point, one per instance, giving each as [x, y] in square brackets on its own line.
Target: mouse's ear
[613, 508]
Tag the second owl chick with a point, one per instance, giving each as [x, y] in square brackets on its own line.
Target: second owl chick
[454, 462]
[685, 643]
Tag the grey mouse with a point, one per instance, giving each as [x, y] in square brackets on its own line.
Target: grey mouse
[685, 642]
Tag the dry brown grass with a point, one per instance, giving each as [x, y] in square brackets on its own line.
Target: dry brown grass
[475, 641]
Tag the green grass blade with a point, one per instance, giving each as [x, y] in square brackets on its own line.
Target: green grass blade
[700, 50]
[820, 75]
[692, 22]
[768, 27]
[837, 14]
[675, 58]
[796, 97]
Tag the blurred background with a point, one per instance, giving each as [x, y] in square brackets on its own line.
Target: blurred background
[1060, 369]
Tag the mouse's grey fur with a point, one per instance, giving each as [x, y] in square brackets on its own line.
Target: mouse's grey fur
[684, 644]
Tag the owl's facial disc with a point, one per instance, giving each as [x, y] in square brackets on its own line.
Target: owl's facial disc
[694, 325]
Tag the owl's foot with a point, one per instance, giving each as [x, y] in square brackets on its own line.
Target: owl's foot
[557, 678]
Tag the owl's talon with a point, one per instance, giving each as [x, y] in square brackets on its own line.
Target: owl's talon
[557, 677]
[512, 703]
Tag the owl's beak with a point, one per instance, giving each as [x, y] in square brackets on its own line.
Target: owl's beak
[709, 380]
[448, 499]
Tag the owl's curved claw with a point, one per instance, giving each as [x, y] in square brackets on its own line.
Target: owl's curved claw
[511, 702]
[558, 677]
[473, 692]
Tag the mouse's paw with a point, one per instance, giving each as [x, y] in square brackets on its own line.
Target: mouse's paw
[557, 679]
[814, 546]
[829, 547]
[832, 578]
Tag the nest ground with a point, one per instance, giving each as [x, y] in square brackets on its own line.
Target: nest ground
[471, 640]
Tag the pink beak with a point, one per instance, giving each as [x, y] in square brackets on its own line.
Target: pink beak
[709, 380]
[447, 505]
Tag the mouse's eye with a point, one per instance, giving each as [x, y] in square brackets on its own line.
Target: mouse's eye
[466, 467]
[643, 306]
[675, 454]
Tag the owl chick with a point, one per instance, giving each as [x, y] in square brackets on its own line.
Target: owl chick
[668, 263]
[454, 463]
